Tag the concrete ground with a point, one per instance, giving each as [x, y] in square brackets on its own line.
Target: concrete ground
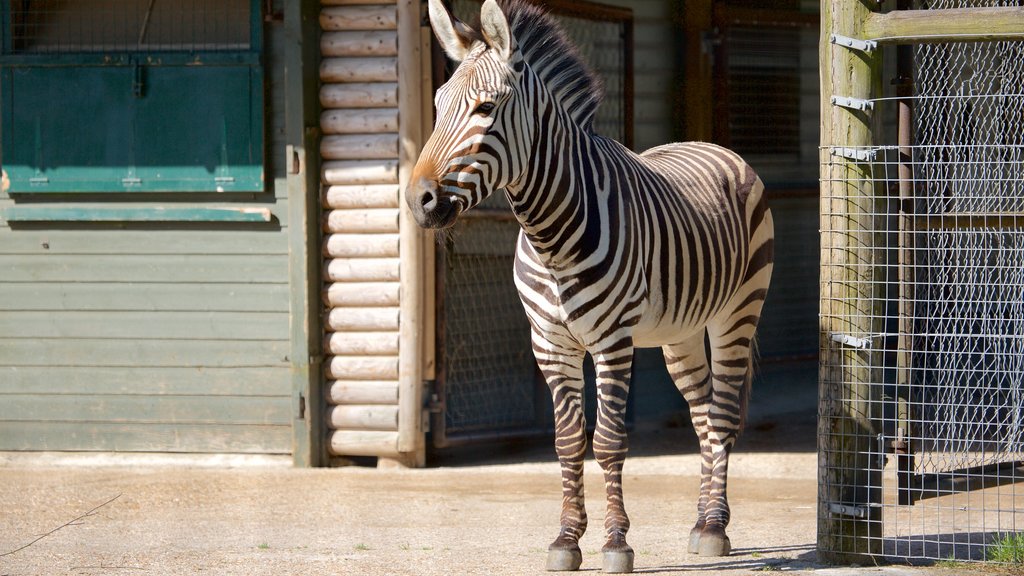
[494, 516]
[476, 511]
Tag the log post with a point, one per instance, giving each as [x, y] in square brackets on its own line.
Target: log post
[411, 439]
[852, 254]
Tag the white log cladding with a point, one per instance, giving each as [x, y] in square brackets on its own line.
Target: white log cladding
[360, 121]
[359, 43]
[360, 94]
[373, 17]
[362, 294]
[364, 146]
[362, 392]
[361, 153]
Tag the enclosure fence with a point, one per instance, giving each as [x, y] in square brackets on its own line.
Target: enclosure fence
[921, 416]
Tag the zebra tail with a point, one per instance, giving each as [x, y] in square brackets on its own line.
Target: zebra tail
[748, 384]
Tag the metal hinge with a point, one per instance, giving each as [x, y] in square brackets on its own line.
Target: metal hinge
[853, 103]
[854, 43]
[851, 341]
[846, 510]
[855, 154]
[434, 403]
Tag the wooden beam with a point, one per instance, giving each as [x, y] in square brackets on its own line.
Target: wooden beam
[66, 213]
[850, 478]
[411, 437]
[698, 58]
[952, 25]
[301, 40]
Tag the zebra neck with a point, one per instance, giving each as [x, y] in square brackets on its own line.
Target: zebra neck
[555, 201]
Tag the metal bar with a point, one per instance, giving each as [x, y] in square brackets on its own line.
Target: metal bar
[852, 341]
[855, 154]
[959, 221]
[852, 511]
[903, 447]
[950, 25]
[853, 43]
[853, 103]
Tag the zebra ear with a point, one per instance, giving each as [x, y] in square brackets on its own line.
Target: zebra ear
[454, 36]
[495, 28]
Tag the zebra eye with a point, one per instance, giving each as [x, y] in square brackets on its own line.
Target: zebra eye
[485, 108]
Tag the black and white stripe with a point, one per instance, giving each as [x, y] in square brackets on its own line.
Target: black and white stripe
[617, 251]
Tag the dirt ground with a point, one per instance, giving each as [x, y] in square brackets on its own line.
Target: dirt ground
[490, 514]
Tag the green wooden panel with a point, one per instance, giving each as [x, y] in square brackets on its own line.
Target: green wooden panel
[60, 213]
[154, 241]
[268, 298]
[87, 128]
[100, 436]
[146, 409]
[134, 268]
[155, 381]
[145, 325]
[143, 353]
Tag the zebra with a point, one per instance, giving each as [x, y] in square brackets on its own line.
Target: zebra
[616, 251]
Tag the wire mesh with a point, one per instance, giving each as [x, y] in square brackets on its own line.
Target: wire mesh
[89, 26]
[489, 371]
[927, 385]
[602, 45]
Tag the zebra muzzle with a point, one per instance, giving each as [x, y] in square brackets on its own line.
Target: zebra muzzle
[430, 207]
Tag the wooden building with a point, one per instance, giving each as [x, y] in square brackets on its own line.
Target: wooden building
[203, 246]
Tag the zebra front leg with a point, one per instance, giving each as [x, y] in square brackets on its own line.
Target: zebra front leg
[613, 369]
[563, 371]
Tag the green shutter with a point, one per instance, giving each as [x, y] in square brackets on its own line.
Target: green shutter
[124, 121]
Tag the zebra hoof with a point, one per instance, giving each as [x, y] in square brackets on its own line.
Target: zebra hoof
[564, 559]
[694, 547]
[714, 545]
[617, 562]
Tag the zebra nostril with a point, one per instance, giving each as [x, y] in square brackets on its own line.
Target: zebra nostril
[428, 200]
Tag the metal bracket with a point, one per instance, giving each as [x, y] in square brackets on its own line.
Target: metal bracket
[853, 103]
[844, 510]
[855, 154]
[853, 43]
[852, 341]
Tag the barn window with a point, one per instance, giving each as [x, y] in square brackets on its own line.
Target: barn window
[131, 95]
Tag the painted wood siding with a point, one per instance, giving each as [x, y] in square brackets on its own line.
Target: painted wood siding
[151, 336]
[359, 148]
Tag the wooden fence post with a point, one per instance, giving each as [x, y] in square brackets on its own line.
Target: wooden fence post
[852, 253]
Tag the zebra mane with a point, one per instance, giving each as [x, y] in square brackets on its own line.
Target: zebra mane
[555, 59]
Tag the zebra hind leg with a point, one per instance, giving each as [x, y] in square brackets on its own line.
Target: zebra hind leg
[731, 371]
[688, 366]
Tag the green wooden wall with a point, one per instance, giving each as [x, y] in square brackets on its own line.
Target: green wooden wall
[151, 336]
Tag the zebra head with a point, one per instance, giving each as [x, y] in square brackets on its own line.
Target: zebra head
[476, 147]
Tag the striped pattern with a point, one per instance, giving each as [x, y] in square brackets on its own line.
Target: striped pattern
[617, 251]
